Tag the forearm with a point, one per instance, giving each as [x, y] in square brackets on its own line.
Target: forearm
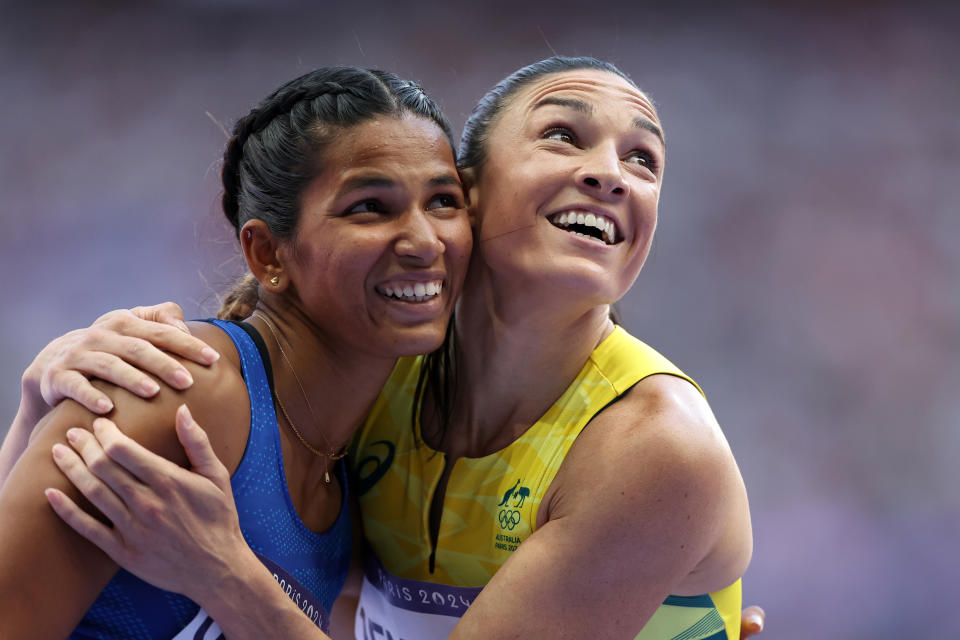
[43, 562]
[32, 409]
[250, 604]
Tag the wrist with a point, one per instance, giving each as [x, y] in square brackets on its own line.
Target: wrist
[247, 602]
[234, 589]
[32, 405]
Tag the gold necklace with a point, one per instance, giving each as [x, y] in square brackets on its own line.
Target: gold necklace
[332, 455]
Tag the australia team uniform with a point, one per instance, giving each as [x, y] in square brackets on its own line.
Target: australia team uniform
[311, 567]
[413, 590]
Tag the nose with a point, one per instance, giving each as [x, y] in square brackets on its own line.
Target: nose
[418, 238]
[601, 175]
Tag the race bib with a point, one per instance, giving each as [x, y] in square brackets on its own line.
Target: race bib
[393, 608]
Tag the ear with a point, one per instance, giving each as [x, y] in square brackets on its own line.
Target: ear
[469, 179]
[262, 251]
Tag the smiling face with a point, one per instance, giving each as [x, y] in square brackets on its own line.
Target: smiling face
[567, 198]
[383, 240]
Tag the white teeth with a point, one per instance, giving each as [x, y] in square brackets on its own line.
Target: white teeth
[607, 227]
[583, 235]
[414, 292]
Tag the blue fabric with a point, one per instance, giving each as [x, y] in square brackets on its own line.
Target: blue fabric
[131, 608]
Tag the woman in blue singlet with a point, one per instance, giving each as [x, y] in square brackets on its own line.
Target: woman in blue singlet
[343, 191]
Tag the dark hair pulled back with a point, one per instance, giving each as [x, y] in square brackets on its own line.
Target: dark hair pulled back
[476, 131]
[277, 148]
[439, 372]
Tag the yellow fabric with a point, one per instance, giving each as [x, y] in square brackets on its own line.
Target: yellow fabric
[491, 502]
[728, 602]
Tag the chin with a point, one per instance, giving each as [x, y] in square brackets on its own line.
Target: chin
[415, 341]
[584, 283]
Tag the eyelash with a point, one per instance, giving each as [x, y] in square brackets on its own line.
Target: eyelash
[376, 207]
[565, 130]
[373, 205]
[452, 201]
[648, 160]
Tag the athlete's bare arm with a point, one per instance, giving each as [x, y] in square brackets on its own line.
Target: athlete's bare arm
[648, 503]
[51, 575]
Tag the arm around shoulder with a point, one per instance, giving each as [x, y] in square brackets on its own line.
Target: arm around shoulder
[52, 575]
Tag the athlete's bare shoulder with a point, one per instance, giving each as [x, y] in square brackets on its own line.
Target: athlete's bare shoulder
[660, 461]
[217, 399]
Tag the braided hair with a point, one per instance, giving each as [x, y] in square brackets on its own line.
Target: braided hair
[277, 149]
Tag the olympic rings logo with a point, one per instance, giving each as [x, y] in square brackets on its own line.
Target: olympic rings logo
[509, 518]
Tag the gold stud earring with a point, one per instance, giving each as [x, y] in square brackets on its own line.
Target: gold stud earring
[275, 281]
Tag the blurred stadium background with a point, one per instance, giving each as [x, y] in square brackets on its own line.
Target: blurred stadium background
[806, 270]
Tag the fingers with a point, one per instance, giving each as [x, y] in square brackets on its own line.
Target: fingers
[119, 348]
[126, 454]
[166, 312]
[106, 355]
[57, 385]
[157, 332]
[751, 621]
[197, 445]
[125, 361]
[77, 470]
[82, 522]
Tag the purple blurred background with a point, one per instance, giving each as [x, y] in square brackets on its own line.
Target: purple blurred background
[806, 270]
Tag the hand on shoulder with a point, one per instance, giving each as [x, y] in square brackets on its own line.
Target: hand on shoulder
[44, 560]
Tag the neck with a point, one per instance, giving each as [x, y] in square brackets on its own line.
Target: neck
[521, 354]
[326, 389]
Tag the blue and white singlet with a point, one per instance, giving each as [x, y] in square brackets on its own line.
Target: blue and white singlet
[311, 567]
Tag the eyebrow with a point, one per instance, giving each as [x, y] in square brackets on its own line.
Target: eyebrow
[446, 180]
[649, 125]
[366, 182]
[586, 108]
